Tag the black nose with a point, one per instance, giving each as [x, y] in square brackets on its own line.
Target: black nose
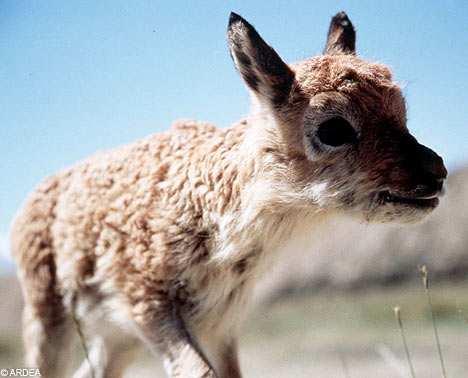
[431, 172]
[431, 163]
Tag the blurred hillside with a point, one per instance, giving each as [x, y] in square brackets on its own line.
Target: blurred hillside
[352, 254]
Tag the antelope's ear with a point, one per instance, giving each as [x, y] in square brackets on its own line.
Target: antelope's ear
[260, 66]
[341, 37]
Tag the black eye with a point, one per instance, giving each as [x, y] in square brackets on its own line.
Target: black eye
[336, 132]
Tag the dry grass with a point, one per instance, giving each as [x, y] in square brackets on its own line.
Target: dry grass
[425, 280]
[397, 311]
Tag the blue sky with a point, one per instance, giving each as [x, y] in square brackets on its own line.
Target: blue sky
[86, 75]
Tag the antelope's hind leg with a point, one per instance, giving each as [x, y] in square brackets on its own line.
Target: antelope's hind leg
[46, 342]
[107, 358]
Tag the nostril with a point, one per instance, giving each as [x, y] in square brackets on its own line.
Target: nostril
[442, 189]
[438, 168]
[429, 188]
[439, 185]
[443, 170]
[440, 173]
[432, 163]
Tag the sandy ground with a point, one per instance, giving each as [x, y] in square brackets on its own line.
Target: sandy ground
[322, 334]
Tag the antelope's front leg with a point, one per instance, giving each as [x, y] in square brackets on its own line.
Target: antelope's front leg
[221, 350]
[229, 365]
[185, 361]
[163, 329]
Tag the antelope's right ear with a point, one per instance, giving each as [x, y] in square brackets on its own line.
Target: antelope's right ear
[260, 66]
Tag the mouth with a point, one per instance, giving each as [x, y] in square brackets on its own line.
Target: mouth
[429, 202]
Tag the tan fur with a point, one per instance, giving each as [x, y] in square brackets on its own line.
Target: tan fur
[165, 237]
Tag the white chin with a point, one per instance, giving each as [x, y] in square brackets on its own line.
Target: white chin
[398, 213]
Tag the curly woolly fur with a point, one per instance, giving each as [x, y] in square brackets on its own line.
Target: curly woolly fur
[165, 237]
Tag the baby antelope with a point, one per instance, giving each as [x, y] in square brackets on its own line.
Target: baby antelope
[164, 239]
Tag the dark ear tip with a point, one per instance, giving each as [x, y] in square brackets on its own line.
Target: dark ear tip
[234, 18]
[341, 15]
[341, 19]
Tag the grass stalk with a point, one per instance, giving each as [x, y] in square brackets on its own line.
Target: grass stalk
[403, 338]
[344, 364]
[425, 280]
[82, 337]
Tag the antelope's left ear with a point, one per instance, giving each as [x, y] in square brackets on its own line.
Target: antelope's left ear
[341, 37]
[260, 66]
